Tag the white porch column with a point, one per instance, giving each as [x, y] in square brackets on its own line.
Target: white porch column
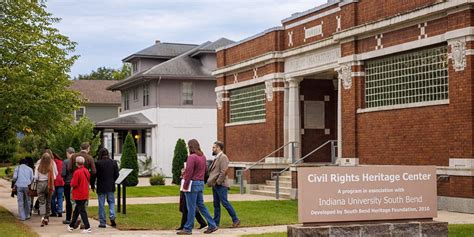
[339, 118]
[285, 121]
[294, 122]
[148, 142]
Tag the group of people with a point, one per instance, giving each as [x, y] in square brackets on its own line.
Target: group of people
[52, 178]
[192, 204]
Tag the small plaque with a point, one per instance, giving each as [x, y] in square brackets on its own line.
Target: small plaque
[123, 174]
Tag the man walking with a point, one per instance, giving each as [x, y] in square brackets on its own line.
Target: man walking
[89, 161]
[218, 181]
[107, 173]
[67, 176]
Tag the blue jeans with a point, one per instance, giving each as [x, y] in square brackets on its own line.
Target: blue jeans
[57, 200]
[195, 199]
[111, 202]
[23, 202]
[220, 196]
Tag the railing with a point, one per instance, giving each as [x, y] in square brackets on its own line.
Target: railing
[277, 174]
[240, 173]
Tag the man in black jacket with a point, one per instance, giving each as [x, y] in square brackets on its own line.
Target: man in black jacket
[107, 173]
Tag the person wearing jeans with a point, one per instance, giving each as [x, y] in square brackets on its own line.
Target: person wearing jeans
[218, 181]
[194, 177]
[80, 194]
[67, 176]
[107, 173]
[57, 199]
[23, 177]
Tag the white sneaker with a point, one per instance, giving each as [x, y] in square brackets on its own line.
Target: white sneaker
[70, 229]
[85, 231]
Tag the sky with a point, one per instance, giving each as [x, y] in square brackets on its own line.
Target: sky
[109, 30]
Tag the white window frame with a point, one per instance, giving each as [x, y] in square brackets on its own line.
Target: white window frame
[83, 113]
[146, 95]
[126, 101]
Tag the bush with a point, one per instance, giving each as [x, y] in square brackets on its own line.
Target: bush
[158, 179]
[180, 156]
[9, 172]
[129, 160]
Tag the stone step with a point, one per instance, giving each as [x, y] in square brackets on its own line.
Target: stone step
[286, 184]
[286, 173]
[283, 178]
[272, 188]
[270, 194]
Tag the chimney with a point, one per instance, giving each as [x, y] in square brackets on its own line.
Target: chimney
[157, 41]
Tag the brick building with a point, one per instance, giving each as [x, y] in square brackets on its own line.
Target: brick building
[390, 80]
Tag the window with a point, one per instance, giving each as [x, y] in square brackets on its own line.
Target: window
[135, 67]
[414, 77]
[126, 101]
[78, 114]
[146, 95]
[135, 94]
[247, 104]
[187, 93]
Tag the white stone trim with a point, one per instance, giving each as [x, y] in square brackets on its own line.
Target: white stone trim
[358, 74]
[315, 9]
[454, 171]
[269, 90]
[313, 70]
[458, 54]
[246, 122]
[248, 63]
[345, 75]
[345, 2]
[312, 18]
[250, 82]
[403, 106]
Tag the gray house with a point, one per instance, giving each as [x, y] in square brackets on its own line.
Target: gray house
[170, 95]
[101, 104]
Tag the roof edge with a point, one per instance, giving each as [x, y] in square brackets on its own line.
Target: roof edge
[312, 10]
[277, 28]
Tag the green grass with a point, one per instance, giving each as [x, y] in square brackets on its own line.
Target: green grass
[160, 191]
[10, 226]
[167, 216]
[461, 230]
[275, 234]
[2, 172]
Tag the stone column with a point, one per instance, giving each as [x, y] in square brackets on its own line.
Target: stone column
[294, 120]
[148, 143]
[285, 120]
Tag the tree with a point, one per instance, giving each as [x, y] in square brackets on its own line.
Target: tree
[72, 135]
[129, 160]
[8, 145]
[104, 73]
[179, 157]
[34, 62]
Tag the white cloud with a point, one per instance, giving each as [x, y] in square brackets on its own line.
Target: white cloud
[109, 30]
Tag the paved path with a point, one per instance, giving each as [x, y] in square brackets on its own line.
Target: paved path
[56, 228]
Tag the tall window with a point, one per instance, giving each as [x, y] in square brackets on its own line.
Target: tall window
[414, 77]
[135, 67]
[247, 104]
[135, 94]
[187, 93]
[126, 101]
[146, 95]
[78, 114]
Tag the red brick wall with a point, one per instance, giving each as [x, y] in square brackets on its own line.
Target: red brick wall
[261, 71]
[373, 10]
[457, 186]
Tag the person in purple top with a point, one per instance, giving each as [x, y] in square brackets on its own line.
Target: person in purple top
[195, 170]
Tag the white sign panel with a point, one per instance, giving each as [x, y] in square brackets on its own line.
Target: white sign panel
[313, 31]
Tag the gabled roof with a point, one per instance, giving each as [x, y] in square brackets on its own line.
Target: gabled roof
[211, 48]
[183, 66]
[161, 50]
[131, 121]
[95, 91]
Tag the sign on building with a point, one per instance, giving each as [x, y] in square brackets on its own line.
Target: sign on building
[335, 194]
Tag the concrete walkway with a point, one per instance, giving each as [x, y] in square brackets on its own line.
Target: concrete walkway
[56, 228]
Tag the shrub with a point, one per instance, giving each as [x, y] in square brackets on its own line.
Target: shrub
[9, 172]
[180, 156]
[129, 160]
[158, 179]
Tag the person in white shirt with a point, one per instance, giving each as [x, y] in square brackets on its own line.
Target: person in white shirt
[45, 174]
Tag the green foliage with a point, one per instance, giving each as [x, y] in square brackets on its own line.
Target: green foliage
[72, 135]
[104, 73]
[8, 172]
[8, 145]
[180, 155]
[129, 160]
[158, 179]
[34, 62]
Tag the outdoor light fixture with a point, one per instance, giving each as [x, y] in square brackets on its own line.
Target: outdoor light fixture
[137, 136]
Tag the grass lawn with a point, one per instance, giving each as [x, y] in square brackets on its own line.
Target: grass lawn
[10, 226]
[2, 172]
[167, 216]
[461, 230]
[160, 191]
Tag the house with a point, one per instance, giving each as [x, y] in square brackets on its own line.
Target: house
[101, 104]
[170, 95]
[389, 84]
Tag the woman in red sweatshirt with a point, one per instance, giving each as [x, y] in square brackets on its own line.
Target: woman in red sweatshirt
[57, 199]
[80, 194]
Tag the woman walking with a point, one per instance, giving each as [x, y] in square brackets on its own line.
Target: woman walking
[57, 199]
[45, 174]
[80, 194]
[194, 178]
[23, 177]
